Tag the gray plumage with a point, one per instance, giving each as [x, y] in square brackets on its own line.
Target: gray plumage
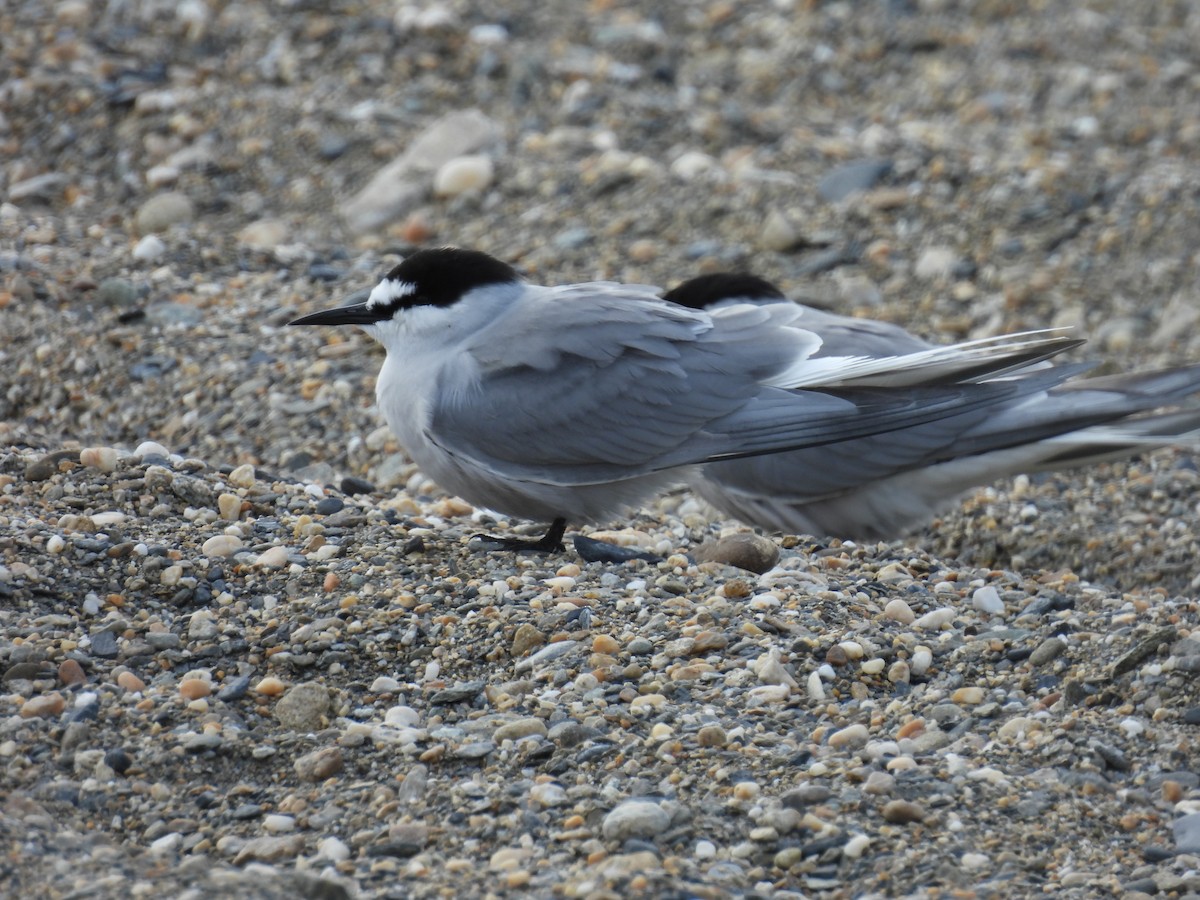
[879, 486]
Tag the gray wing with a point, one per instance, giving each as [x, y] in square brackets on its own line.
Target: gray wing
[1062, 420]
[609, 387]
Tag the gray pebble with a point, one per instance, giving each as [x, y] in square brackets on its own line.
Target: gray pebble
[304, 707]
[635, 818]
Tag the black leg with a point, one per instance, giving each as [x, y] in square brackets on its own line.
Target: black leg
[550, 542]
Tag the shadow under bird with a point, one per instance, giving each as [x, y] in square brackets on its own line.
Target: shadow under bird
[578, 401]
[876, 487]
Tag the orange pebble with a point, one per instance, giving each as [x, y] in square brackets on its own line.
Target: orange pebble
[131, 682]
[195, 688]
[71, 672]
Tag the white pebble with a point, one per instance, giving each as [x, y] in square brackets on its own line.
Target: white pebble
[936, 618]
[151, 448]
[273, 558]
[401, 716]
[1132, 727]
[463, 174]
[852, 649]
[277, 823]
[221, 545]
[974, 861]
[816, 690]
[899, 611]
[693, 164]
[873, 666]
[490, 35]
[770, 693]
[166, 843]
[987, 600]
[229, 506]
[770, 669]
[55, 544]
[850, 736]
[922, 659]
[333, 849]
[385, 685]
[149, 249]
[242, 476]
[108, 517]
[704, 850]
[161, 176]
[102, 458]
[856, 846]
[548, 794]
[170, 576]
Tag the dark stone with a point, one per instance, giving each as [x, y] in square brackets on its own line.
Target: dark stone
[104, 645]
[351, 486]
[118, 760]
[329, 506]
[234, 689]
[458, 693]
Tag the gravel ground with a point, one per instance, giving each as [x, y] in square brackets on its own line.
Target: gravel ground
[247, 650]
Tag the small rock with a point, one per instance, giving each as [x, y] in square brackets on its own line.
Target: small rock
[221, 545]
[514, 731]
[967, 696]
[104, 645]
[1047, 651]
[230, 508]
[270, 686]
[234, 689]
[635, 819]
[851, 736]
[243, 476]
[117, 292]
[778, 233]
[693, 164]
[899, 611]
[162, 211]
[902, 812]
[270, 849]
[103, 458]
[304, 707]
[526, 638]
[320, 764]
[936, 262]
[149, 249]
[131, 682]
[987, 600]
[71, 672]
[272, 558]
[1187, 833]
[936, 618]
[202, 626]
[463, 175]
[712, 736]
[43, 706]
[751, 552]
[548, 794]
[195, 688]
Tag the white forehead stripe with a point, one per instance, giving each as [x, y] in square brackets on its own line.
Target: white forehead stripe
[388, 291]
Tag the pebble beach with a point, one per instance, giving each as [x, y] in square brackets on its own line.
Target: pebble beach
[248, 650]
